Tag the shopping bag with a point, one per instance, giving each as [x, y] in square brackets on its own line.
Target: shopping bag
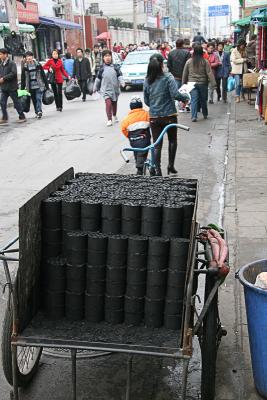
[231, 85]
[50, 77]
[25, 102]
[72, 90]
[48, 97]
[90, 86]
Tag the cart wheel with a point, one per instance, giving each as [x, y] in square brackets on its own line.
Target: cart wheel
[209, 342]
[27, 357]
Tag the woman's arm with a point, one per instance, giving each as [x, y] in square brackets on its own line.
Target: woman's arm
[236, 59]
[47, 65]
[146, 94]
[185, 74]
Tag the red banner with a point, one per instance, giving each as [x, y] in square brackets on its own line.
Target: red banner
[29, 13]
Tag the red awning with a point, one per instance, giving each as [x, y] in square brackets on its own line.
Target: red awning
[104, 36]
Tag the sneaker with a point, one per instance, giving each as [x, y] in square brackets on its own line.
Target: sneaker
[3, 121]
[84, 100]
[205, 116]
[237, 99]
[109, 123]
[116, 119]
[194, 120]
[187, 108]
[182, 110]
[39, 115]
[211, 102]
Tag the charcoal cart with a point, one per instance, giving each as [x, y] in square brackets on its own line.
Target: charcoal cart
[110, 263]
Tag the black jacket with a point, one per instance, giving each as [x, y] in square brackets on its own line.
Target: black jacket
[81, 69]
[9, 73]
[199, 39]
[40, 75]
[176, 62]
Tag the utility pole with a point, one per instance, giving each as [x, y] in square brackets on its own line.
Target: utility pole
[12, 13]
[83, 17]
[135, 20]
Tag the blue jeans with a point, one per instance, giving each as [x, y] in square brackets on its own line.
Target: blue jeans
[199, 98]
[37, 95]
[238, 85]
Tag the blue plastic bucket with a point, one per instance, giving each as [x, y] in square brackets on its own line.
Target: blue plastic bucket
[256, 306]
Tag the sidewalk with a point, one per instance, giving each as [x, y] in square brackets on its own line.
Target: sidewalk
[246, 225]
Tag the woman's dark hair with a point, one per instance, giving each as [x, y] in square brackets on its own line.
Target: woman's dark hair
[106, 52]
[155, 68]
[221, 43]
[197, 56]
[68, 56]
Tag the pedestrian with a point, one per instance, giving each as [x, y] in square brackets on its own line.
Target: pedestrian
[68, 64]
[108, 82]
[239, 67]
[81, 71]
[33, 79]
[55, 65]
[199, 38]
[228, 46]
[251, 51]
[176, 62]
[160, 92]
[164, 51]
[198, 70]
[88, 54]
[223, 72]
[9, 86]
[214, 63]
[136, 128]
[97, 60]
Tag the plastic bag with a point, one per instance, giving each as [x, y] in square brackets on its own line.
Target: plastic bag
[231, 85]
[48, 97]
[90, 86]
[25, 102]
[72, 90]
[50, 77]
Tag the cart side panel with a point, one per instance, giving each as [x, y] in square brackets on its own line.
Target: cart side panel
[27, 281]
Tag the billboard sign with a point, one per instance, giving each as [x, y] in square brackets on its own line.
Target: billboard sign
[255, 3]
[219, 11]
[3, 11]
[28, 13]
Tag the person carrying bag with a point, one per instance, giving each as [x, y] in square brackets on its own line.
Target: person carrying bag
[82, 72]
[55, 65]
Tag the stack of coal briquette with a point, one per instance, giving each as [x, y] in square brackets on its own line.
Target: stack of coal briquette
[115, 248]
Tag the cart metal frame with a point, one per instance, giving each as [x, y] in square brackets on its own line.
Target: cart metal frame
[188, 330]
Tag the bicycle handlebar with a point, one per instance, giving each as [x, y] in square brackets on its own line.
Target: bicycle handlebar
[159, 139]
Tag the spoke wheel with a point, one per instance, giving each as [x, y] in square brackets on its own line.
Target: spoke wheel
[209, 342]
[27, 357]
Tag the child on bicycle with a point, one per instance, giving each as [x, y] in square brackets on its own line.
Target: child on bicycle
[136, 128]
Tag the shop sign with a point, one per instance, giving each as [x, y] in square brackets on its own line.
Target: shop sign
[255, 3]
[3, 11]
[28, 13]
[151, 22]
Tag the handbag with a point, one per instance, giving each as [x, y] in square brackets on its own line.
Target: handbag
[50, 77]
[231, 84]
[72, 90]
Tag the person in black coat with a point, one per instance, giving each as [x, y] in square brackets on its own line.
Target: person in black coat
[9, 86]
[82, 71]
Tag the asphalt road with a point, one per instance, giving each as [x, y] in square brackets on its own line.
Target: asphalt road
[33, 154]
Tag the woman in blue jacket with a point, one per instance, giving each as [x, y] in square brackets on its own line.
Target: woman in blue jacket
[223, 72]
[68, 64]
[160, 91]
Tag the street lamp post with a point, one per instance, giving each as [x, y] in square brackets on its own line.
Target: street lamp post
[135, 20]
[83, 18]
[12, 13]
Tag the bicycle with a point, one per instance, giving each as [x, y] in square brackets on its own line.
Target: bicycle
[150, 164]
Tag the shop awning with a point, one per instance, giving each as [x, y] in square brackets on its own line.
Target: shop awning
[259, 17]
[242, 21]
[104, 36]
[61, 23]
[23, 28]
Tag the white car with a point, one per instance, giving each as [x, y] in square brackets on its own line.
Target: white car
[134, 67]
